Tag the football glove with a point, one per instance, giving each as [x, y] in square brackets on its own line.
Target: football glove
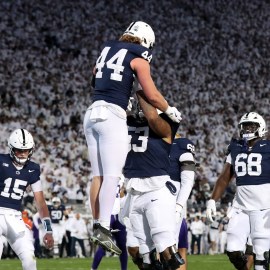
[211, 210]
[173, 114]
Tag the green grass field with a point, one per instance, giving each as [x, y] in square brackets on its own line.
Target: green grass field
[202, 262]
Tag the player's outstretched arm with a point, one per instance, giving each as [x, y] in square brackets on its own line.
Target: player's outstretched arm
[160, 126]
[219, 188]
[45, 218]
[142, 70]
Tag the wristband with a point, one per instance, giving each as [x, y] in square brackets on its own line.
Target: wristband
[47, 225]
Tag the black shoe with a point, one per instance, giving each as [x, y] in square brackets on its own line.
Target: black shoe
[103, 237]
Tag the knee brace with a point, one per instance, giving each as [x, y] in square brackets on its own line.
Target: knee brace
[238, 259]
[265, 262]
[174, 262]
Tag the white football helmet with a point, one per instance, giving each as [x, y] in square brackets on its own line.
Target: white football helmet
[56, 202]
[252, 125]
[23, 140]
[143, 31]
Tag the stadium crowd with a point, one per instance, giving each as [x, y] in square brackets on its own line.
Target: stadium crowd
[211, 60]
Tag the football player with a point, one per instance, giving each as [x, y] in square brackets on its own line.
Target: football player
[57, 212]
[105, 128]
[247, 160]
[17, 172]
[152, 200]
[182, 173]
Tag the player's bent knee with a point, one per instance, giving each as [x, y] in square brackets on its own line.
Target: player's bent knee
[238, 259]
[133, 251]
[28, 260]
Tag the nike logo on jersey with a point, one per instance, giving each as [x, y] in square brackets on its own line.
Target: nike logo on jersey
[5, 165]
[154, 200]
[262, 144]
[31, 170]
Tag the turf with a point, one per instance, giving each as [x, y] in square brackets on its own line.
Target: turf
[202, 262]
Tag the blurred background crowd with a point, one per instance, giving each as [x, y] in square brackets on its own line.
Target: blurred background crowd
[211, 61]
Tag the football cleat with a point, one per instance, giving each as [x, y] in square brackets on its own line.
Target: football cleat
[103, 237]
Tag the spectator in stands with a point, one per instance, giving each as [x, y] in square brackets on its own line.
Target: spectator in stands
[196, 229]
[78, 234]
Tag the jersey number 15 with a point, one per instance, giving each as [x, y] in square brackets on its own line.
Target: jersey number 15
[13, 190]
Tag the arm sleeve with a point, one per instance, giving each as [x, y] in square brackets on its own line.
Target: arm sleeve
[187, 182]
[187, 179]
[35, 220]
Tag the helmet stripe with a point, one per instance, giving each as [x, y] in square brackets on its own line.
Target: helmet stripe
[131, 25]
[23, 136]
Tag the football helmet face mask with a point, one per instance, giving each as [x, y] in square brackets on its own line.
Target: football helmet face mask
[143, 31]
[56, 201]
[20, 139]
[252, 125]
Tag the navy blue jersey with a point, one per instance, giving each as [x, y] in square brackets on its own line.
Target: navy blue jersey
[56, 213]
[13, 182]
[114, 76]
[179, 147]
[251, 166]
[149, 154]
